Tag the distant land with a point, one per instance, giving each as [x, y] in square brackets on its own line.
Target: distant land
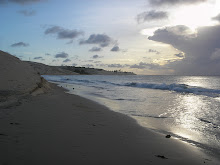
[43, 69]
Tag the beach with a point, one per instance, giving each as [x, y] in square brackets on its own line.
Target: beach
[42, 124]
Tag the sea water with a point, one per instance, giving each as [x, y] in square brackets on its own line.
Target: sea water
[186, 107]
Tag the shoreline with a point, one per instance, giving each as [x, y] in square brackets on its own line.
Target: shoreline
[61, 128]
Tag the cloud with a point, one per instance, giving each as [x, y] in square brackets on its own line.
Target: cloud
[68, 34]
[173, 35]
[102, 40]
[216, 54]
[70, 42]
[97, 62]
[217, 17]
[96, 56]
[112, 65]
[174, 2]
[20, 44]
[3, 1]
[201, 50]
[115, 49]
[61, 55]
[115, 66]
[47, 54]
[38, 58]
[53, 29]
[88, 66]
[63, 33]
[181, 55]
[95, 49]
[27, 13]
[153, 51]
[151, 16]
[67, 60]
[20, 2]
[143, 65]
[180, 30]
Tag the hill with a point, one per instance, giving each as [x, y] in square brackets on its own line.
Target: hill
[43, 69]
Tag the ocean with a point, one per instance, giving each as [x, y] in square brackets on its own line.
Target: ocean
[185, 107]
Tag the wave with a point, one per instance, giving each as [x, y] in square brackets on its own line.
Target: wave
[209, 122]
[150, 116]
[182, 88]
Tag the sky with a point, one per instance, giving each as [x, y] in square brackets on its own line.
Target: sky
[149, 37]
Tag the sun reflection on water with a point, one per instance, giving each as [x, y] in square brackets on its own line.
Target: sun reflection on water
[188, 109]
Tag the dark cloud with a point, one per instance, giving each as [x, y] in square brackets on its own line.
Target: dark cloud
[95, 49]
[96, 56]
[20, 44]
[173, 35]
[38, 58]
[201, 50]
[97, 62]
[115, 49]
[217, 18]
[152, 16]
[143, 65]
[27, 13]
[181, 55]
[61, 55]
[115, 66]
[102, 40]
[67, 60]
[180, 30]
[112, 65]
[68, 34]
[63, 33]
[216, 54]
[70, 42]
[3, 1]
[47, 54]
[53, 29]
[88, 66]
[20, 2]
[174, 2]
[153, 51]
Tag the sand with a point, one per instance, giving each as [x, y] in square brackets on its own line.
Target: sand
[46, 126]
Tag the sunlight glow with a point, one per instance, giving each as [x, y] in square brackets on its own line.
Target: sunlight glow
[149, 32]
[195, 16]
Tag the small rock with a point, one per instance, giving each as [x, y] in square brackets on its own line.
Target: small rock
[1, 134]
[15, 123]
[168, 136]
[161, 156]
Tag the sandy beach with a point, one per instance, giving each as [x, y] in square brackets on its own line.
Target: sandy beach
[40, 124]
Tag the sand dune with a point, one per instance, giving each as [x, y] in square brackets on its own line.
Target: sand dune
[18, 79]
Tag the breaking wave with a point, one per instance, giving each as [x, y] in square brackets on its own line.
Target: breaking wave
[182, 88]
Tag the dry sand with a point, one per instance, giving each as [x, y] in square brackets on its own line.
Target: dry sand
[53, 127]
